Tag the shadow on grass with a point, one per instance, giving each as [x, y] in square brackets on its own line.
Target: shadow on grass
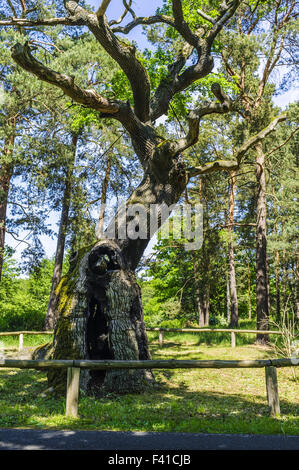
[166, 407]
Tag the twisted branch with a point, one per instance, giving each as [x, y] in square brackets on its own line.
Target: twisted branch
[223, 105]
[23, 57]
[230, 165]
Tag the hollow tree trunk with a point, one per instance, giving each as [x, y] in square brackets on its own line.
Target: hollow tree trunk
[262, 288]
[99, 309]
[231, 256]
[66, 201]
[6, 172]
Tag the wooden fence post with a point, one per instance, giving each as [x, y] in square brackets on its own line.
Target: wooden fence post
[272, 390]
[72, 391]
[21, 338]
[233, 337]
[160, 338]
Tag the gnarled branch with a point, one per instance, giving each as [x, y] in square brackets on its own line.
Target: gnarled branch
[225, 15]
[208, 107]
[144, 20]
[206, 17]
[124, 14]
[204, 65]
[182, 26]
[258, 137]
[103, 7]
[23, 57]
[211, 167]
[230, 165]
[69, 21]
[125, 56]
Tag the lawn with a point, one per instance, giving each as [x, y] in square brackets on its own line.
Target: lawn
[195, 400]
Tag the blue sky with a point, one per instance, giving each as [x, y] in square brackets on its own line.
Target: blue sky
[141, 8]
[115, 9]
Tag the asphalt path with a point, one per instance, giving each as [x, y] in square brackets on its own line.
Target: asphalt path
[32, 439]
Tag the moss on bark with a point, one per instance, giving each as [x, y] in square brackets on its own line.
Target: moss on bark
[43, 352]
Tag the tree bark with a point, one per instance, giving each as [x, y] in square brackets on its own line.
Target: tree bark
[231, 256]
[262, 280]
[206, 305]
[104, 197]
[6, 172]
[228, 309]
[201, 317]
[284, 279]
[297, 282]
[198, 293]
[63, 225]
[249, 292]
[277, 286]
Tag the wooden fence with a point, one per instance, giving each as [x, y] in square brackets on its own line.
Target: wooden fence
[74, 366]
[21, 334]
[233, 333]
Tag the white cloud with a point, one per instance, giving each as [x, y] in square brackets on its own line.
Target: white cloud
[289, 97]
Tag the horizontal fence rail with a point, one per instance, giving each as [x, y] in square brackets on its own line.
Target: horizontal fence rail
[21, 334]
[73, 372]
[148, 364]
[17, 333]
[233, 332]
[161, 331]
[215, 330]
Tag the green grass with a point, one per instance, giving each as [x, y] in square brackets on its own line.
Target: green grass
[28, 340]
[206, 400]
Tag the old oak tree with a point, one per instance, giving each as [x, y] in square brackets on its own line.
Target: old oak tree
[99, 310]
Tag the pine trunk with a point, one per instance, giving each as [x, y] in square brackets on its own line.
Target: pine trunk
[277, 286]
[6, 172]
[228, 310]
[249, 293]
[231, 256]
[64, 219]
[201, 317]
[297, 283]
[206, 306]
[104, 191]
[262, 280]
